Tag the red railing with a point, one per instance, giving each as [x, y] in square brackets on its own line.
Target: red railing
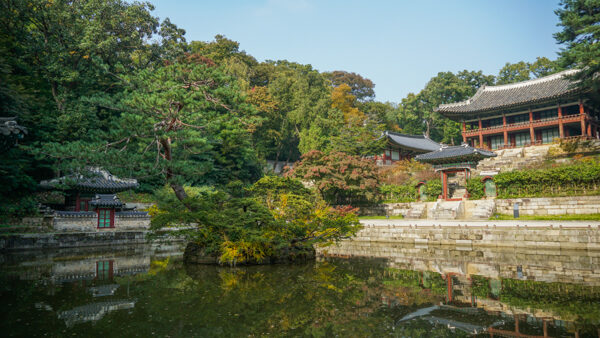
[525, 125]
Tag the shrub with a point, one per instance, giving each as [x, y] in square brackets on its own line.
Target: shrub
[434, 189]
[398, 193]
[475, 187]
[582, 178]
[276, 218]
[340, 179]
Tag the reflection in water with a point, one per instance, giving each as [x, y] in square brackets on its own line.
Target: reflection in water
[408, 291]
[94, 311]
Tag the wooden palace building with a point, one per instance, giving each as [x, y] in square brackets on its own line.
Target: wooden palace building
[404, 147]
[524, 113]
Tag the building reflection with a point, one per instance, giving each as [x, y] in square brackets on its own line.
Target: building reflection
[92, 273]
[470, 285]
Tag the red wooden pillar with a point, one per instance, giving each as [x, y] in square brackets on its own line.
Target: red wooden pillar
[561, 129]
[449, 287]
[531, 133]
[464, 132]
[444, 185]
[505, 130]
[480, 135]
[582, 116]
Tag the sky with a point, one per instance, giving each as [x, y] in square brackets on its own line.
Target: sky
[399, 45]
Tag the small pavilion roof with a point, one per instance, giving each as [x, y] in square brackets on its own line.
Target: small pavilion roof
[418, 143]
[10, 131]
[449, 154]
[94, 180]
[8, 126]
[490, 98]
[106, 200]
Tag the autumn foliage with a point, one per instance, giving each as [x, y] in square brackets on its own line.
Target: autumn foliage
[341, 179]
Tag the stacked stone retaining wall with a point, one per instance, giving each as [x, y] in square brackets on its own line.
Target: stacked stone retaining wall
[550, 206]
[511, 237]
[70, 240]
[573, 205]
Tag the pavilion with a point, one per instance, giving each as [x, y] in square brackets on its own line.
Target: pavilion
[92, 199]
[404, 147]
[455, 164]
[525, 113]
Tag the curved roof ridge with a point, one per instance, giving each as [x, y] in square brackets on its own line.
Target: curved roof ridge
[407, 135]
[525, 83]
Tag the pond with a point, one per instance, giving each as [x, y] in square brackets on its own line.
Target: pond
[146, 290]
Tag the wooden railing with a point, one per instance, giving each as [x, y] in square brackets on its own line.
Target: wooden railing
[525, 125]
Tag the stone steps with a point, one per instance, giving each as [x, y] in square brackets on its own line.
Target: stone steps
[484, 209]
[446, 210]
[513, 159]
[416, 211]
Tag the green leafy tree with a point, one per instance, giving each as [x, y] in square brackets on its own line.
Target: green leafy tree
[514, 72]
[191, 116]
[417, 113]
[580, 34]
[276, 220]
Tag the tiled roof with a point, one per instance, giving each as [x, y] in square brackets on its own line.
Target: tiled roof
[106, 200]
[418, 143]
[490, 98]
[8, 125]
[10, 131]
[462, 152]
[132, 214]
[75, 214]
[95, 180]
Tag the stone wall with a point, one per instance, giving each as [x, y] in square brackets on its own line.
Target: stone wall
[527, 206]
[89, 223]
[70, 239]
[132, 223]
[510, 237]
[550, 206]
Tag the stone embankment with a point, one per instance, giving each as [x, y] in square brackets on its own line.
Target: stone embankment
[483, 209]
[565, 235]
[70, 239]
[550, 265]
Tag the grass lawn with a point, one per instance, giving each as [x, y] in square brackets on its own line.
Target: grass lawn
[582, 217]
[381, 217]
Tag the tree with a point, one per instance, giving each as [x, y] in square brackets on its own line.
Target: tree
[191, 115]
[417, 112]
[276, 219]
[543, 67]
[361, 88]
[338, 177]
[580, 34]
[514, 72]
[523, 71]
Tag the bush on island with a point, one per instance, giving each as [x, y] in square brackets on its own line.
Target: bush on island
[275, 220]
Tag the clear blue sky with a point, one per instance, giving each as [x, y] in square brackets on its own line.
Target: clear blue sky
[398, 44]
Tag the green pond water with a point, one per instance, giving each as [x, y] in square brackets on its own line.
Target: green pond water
[144, 291]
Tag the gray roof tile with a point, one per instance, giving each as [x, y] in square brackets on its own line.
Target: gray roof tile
[418, 143]
[490, 98]
[96, 180]
[455, 152]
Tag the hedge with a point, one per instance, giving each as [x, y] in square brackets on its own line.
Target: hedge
[569, 180]
[404, 193]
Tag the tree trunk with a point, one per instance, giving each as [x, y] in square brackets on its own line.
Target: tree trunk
[277, 159]
[177, 188]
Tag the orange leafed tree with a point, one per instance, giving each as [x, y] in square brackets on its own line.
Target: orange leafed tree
[342, 99]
